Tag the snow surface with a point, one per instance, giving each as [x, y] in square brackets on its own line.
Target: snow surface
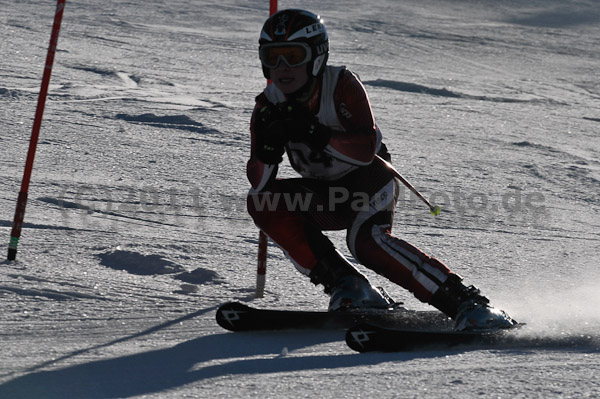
[136, 227]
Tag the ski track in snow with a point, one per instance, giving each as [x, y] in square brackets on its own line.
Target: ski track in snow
[136, 228]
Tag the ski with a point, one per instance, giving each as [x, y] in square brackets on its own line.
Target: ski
[366, 337]
[236, 316]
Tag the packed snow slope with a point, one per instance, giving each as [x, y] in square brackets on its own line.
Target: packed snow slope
[136, 228]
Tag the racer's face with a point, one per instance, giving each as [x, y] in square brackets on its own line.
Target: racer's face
[289, 79]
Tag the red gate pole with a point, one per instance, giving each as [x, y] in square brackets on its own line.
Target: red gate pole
[263, 240]
[37, 123]
[261, 270]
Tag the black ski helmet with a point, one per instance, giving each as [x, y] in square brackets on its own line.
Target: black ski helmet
[298, 26]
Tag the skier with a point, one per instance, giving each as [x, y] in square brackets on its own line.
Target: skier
[321, 116]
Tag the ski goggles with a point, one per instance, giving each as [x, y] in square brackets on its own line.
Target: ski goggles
[293, 54]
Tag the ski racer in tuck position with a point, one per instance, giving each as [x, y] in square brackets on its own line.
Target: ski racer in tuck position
[321, 116]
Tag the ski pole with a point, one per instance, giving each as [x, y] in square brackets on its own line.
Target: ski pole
[261, 270]
[37, 123]
[433, 209]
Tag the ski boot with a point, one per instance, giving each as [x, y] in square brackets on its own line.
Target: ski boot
[348, 288]
[478, 314]
[469, 309]
[355, 292]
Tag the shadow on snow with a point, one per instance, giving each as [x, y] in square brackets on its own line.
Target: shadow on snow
[213, 356]
[165, 369]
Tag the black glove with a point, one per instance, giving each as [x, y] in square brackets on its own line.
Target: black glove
[275, 125]
[303, 127]
[271, 134]
[314, 134]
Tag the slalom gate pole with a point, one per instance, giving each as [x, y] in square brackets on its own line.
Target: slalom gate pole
[433, 209]
[263, 240]
[37, 123]
[261, 270]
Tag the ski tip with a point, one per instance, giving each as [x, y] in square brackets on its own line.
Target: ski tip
[229, 315]
[361, 337]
